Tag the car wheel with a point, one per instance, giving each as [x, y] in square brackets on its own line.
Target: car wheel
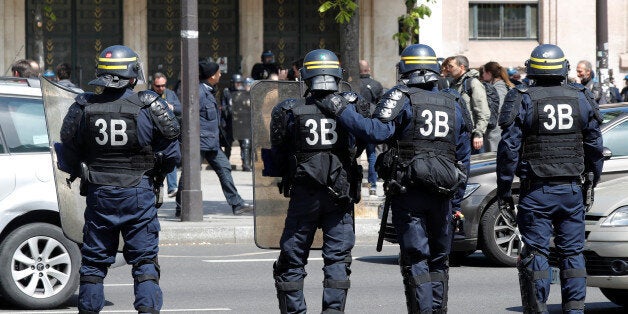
[617, 296]
[501, 240]
[38, 267]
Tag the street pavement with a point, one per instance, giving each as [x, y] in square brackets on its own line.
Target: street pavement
[220, 226]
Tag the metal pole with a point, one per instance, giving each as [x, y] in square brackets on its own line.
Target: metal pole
[601, 27]
[191, 196]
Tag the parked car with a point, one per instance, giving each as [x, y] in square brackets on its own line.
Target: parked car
[606, 246]
[485, 228]
[38, 264]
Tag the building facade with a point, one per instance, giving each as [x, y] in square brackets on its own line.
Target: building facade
[234, 33]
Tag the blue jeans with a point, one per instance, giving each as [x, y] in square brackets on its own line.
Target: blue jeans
[219, 162]
[171, 179]
[371, 156]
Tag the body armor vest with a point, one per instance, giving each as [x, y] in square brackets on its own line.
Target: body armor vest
[553, 145]
[115, 155]
[432, 132]
[321, 152]
[317, 132]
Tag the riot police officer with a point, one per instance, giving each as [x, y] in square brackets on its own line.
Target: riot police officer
[236, 112]
[550, 137]
[263, 70]
[118, 142]
[316, 161]
[427, 133]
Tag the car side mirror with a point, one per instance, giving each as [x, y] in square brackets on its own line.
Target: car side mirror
[607, 153]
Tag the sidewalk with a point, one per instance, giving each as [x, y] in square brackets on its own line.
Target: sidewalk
[219, 225]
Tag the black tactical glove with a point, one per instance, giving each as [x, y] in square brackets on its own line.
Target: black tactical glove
[507, 208]
[332, 105]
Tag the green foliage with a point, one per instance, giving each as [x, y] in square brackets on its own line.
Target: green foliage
[410, 22]
[346, 9]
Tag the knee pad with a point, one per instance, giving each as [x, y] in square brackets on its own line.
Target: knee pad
[91, 279]
[409, 259]
[443, 278]
[285, 288]
[141, 277]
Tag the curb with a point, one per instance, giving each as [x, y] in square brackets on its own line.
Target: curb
[238, 231]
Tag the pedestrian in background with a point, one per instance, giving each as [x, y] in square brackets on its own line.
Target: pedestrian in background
[209, 76]
[64, 73]
[371, 91]
[23, 68]
[496, 75]
[624, 91]
[585, 73]
[117, 142]
[551, 137]
[477, 104]
[160, 87]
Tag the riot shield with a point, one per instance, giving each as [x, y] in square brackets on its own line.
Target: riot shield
[241, 108]
[57, 99]
[270, 205]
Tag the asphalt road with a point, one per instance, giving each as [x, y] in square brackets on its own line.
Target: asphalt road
[237, 278]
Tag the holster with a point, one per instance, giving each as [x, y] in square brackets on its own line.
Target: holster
[587, 191]
[84, 179]
[355, 190]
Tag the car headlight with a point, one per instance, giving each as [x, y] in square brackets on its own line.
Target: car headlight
[618, 218]
[471, 187]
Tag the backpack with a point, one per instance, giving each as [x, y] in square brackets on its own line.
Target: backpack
[493, 101]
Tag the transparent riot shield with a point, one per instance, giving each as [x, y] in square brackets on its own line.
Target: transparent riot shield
[57, 99]
[270, 205]
[241, 108]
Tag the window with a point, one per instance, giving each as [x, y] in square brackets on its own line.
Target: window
[23, 124]
[615, 139]
[503, 21]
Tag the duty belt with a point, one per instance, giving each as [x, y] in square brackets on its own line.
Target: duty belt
[527, 183]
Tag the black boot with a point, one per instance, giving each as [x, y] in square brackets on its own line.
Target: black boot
[245, 153]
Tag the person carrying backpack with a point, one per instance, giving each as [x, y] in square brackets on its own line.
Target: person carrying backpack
[497, 84]
[474, 97]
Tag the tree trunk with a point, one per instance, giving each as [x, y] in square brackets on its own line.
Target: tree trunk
[350, 52]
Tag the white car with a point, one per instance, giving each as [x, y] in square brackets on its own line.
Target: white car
[38, 264]
[606, 247]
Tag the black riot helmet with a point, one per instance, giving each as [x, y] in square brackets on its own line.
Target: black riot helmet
[321, 70]
[547, 61]
[418, 65]
[116, 66]
[237, 82]
[268, 57]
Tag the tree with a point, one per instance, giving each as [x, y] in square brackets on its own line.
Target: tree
[349, 37]
[409, 22]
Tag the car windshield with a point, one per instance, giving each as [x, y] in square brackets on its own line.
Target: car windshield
[615, 139]
[23, 124]
[610, 114]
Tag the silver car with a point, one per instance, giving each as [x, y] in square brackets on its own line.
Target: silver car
[486, 228]
[38, 264]
[606, 246]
